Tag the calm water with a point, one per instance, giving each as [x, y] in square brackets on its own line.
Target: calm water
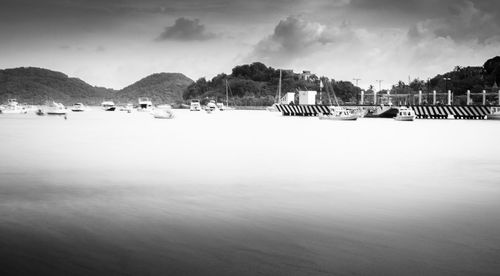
[247, 193]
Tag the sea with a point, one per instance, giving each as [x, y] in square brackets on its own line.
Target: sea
[247, 193]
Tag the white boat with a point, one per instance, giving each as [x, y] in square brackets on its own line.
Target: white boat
[195, 105]
[78, 107]
[495, 114]
[405, 114]
[108, 106]
[12, 107]
[338, 113]
[56, 109]
[145, 104]
[163, 112]
[127, 108]
[272, 108]
[211, 107]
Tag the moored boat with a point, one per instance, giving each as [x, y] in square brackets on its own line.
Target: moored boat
[163, 112]
[195, 105]
[145, 104]
[108, 106]
[405, 114]
[12, 107]
[56, 109]
[339, 114]
[211, 107]
[495, 114]
[78, 107]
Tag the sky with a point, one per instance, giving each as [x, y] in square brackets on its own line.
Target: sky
[113, 43]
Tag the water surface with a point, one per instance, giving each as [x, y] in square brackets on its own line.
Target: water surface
[247, 193]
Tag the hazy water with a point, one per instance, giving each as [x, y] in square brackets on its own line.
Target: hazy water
[247, 193]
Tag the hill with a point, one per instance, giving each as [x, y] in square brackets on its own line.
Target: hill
[161, 88]
[37, 85]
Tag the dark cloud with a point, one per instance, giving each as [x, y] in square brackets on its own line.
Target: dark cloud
[465, 21]
[185, 29]
[295, 36]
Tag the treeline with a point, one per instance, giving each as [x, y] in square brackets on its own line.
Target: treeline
[257, 85]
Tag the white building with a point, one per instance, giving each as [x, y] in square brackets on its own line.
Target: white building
[307, 97]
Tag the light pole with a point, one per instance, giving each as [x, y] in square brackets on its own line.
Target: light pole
[446, 84]
[356, 80]
[379, 85]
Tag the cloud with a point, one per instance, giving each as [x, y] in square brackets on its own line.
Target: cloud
[295, 36]
[466, 22]
[185, 29]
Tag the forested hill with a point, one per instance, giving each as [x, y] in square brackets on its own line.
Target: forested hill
[37, 85]
[257, 84]
[160, 88]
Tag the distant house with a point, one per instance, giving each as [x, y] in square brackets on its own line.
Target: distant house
[306, 75]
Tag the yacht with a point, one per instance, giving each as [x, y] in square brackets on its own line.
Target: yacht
[56, 109]
[145, 104]
[12, 107]
[211, 107]
[340, 114]
[128, 108]
[78, 107]
[108, 106]
[405, 114]
[163, 112]
[495, 114]
[195, 105]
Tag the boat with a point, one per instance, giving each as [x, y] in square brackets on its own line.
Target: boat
[56, 109]
[405, 114]
[382, 111]
[338, 113]
[108, 106]
[195, 105]
[78, 107]
[12, 107]
[128, 108]
[274, 108]
[495, 114]
[145, 104]
[211, 107]
[163, 112]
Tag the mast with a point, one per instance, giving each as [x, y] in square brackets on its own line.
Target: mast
[227, 95]
[279, 89]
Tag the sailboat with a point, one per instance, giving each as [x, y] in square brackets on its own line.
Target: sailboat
[274, 107]
[337, 112]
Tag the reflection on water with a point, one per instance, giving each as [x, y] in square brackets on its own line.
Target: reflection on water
[247, 193]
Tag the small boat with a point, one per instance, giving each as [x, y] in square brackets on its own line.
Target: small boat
[211, 107]
[40, 112]
[12, 107]
[495, 114]
[163, 112]
[145, 104]
[405, 114]
[195, 105]
[127, 108]
[272, 108]
[78, 107]
[108, 106]
[340, 114]
[56, 109]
